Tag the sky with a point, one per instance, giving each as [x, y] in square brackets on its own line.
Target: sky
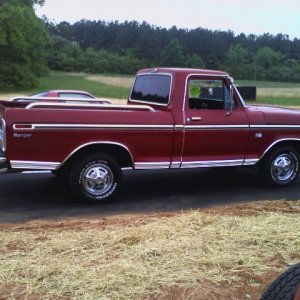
[255, 16]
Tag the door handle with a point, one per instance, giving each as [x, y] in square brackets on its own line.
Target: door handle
[196, 119]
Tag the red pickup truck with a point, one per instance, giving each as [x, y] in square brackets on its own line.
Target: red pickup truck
[175, 118]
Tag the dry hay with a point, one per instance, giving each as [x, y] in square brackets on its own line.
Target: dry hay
[278, 92]
[130, 259]
[8, 96]
[119, 81]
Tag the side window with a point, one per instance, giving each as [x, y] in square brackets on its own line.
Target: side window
[208, 94]
[152, 88]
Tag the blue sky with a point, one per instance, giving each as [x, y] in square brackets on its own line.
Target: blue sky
[256, 16]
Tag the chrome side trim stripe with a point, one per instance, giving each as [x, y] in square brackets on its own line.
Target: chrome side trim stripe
[189, 127]
[274, 126]
[213, 163]
[216, 127]
[89, 126]
[151, 165]
[250, 162]
[175, 164]
[197, 164]
[36, 172]
[37, 126]
[34, 165]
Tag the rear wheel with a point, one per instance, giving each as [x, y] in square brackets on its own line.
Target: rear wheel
[95, 178]
[281, 167]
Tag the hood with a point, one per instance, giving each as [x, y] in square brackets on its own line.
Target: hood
[277, 115]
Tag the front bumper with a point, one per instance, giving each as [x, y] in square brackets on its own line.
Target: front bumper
[3, 163]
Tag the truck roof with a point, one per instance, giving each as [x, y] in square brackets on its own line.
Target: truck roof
[183, 71]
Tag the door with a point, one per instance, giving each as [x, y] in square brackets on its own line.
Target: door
[216, 126]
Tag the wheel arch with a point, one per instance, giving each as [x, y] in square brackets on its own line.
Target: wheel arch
[287, 142]
[118, 151]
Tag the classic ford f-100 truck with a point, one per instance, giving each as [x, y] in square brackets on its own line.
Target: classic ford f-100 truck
[174, 118]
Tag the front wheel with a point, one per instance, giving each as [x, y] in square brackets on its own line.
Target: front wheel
[285, 287]
[281, 167]
[95, 178]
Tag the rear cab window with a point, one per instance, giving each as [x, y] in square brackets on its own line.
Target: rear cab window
[152, 89]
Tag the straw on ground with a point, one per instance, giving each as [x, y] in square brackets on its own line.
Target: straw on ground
[136, 256]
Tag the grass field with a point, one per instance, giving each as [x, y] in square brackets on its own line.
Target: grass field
[57, 80]
[118, 87]
[276, 93]
[268, 84]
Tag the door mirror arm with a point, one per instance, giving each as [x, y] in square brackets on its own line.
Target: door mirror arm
[230, 106]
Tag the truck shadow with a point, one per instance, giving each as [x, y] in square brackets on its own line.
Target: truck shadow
[26, 197]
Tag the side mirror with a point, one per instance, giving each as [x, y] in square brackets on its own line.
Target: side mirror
[231, 95]
[229, 102]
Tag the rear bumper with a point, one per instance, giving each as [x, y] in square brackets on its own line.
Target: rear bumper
[3, 163]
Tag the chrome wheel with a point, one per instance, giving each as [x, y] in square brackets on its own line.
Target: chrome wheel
[97, 179]
[283, 167]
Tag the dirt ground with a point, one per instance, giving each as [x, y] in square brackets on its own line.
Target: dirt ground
[249, 286]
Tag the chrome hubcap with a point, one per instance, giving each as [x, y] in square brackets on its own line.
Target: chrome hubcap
[283, 167]
[97, 179]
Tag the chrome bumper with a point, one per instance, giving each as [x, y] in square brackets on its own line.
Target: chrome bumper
[3, 163]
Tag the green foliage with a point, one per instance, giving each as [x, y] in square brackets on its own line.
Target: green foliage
[60, 80]
[195, 61]
[236, 59]
[113, 47]
[22, 43]
[172, 55]
[28, 3]
[66, 56]
[266, 57]
[27, 47]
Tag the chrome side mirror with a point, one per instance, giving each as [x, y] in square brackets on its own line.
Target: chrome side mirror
[231, 95]
[229, 101]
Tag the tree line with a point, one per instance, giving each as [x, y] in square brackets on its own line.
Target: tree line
[99, 46]
[29, 46]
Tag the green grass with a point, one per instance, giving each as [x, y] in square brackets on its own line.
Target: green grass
[267, 84]
[57, 80]
[274, 93]
[277, 101]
